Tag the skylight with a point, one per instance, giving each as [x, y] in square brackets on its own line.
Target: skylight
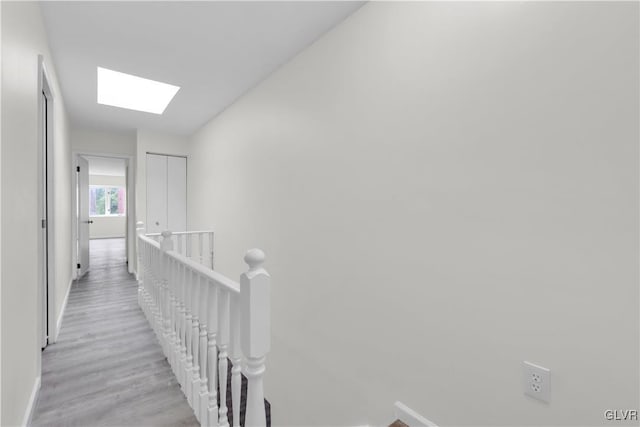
[132, 92]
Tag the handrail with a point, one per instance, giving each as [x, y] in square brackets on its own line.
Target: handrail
[149, 240]
[212, 275]
[191, 244]
[173, 233]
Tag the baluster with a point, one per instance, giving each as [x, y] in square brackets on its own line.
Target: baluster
[172, 315]
[188, 246]
[152, 299]
[146, 279]
[200, 249]
[154, 288]
[212, 355]
[204, 288]
[236, 359]
[165, 246]
[149, 287]
[154, 272]
[175, 274]
[179, 237]
[168, 321]
[139, 232]
[256, 333]
[223, 342]
[141, 267]
[189, 317]
[158, 270]
[159, 317]
[195, 374]
[211, 248]
[183, 328]
[149, 284]
[177, 319]
[184, 245]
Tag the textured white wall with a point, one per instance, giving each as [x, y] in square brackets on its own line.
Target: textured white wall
[443, 190]
[23, 38]
[107, 226]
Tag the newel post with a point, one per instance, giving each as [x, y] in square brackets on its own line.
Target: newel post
[255, 306]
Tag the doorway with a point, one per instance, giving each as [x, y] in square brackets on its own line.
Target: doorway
[102, 204]
[46, 262]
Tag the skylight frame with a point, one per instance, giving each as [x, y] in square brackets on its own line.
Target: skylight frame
[127, 91]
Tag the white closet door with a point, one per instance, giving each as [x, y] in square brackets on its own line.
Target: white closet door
[156, 193]
[177, 193]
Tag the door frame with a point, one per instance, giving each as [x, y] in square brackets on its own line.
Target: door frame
[46, 194]
[130, 165]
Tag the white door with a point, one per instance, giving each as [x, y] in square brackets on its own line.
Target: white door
[156, 193]
[44, 234]
[84, 220]
[176, 193]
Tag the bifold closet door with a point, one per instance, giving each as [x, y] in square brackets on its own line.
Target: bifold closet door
[156, 193]
[176, 193]
[166, 193]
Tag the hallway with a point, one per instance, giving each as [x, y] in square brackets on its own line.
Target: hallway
[107, 367]
[470, 165]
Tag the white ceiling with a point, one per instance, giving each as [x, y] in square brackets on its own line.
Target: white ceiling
[215, 51]
[106, 166]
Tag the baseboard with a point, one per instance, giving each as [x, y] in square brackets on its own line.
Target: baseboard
[32, 403]
[62, 310]
[107, 237]
[411, 417]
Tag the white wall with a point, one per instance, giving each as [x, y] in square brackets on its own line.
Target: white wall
[107, 226]
[158, 143]
[23, 38]
[103, 142]
[443, 190]
[60, 196]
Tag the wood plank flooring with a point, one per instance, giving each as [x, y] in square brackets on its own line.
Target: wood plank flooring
[107, 369]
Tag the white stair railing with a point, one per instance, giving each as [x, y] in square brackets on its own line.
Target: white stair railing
[202, 317]
[197, 245]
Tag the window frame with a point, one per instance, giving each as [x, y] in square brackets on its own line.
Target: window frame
[107, 201]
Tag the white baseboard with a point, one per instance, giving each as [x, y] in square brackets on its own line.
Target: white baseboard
[411, 417]
[106, 237]
[62, 310]
[32, 403]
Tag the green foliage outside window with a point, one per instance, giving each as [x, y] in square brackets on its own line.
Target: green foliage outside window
[109, 201]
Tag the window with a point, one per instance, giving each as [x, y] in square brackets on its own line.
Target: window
[106, 201]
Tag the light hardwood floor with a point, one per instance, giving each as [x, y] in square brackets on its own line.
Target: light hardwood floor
[107, 367]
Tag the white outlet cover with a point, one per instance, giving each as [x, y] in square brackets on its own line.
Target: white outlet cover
[536, 381]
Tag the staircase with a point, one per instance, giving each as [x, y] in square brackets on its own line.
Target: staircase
[214, 332]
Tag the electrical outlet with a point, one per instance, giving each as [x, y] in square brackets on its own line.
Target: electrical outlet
[536, 381]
